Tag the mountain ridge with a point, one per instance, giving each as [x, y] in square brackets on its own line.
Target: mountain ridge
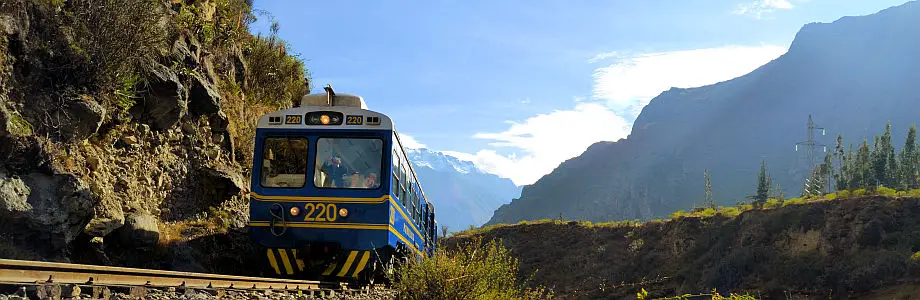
[843, 68]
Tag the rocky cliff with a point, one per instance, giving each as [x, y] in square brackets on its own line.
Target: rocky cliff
[852, 75]
[127, 126]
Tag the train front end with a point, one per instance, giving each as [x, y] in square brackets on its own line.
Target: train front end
[320, 206]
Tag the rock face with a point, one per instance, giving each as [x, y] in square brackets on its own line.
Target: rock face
[852, 75]
[83, 119]
[57, 207]
[165, 104]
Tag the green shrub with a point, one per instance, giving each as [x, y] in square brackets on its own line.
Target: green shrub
[729, 211]
[476, 270]
[859, 193]
[708, 212]
[116, 37]
[678, 214]
[843, 194]
[794, 201]
[915, 193]
[746, 207]
[772, 203]
[885, 191]
[274, 76]
[831, 196]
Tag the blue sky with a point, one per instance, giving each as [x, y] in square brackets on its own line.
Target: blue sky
[520, 86]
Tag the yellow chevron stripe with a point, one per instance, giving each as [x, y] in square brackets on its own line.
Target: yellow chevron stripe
[351, 259]
[362, 263]
[299, 261]
[321, 199]
[273, 262]
[324, 225]
[286, 261]
[330, 269]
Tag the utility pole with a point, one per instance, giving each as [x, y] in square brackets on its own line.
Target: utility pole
[810, 146]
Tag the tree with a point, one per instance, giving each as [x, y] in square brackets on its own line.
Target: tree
[707, 194]
[779, 193]
[763, 184]
[884, 163]
[907, 164]
[841, 176]
[863, 175]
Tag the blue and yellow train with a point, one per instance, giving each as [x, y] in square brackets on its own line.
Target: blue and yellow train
[362, 209]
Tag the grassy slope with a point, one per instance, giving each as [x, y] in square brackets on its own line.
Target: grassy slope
[847, 246]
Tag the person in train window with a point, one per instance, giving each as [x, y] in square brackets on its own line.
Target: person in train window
[371, 181]
[335, 171]
[356, 182]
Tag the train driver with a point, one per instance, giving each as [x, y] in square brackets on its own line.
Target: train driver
[335, 170]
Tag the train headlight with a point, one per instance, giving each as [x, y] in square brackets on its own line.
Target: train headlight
[295, 211]
[343, 212]
[324, 119]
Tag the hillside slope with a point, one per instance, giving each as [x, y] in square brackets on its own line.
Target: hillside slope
[126, 129]
[847, 248]
[853, 75]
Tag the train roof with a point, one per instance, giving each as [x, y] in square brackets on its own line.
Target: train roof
[347, 104]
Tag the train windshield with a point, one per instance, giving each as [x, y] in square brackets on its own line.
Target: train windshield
[284, 162]
[348, 163]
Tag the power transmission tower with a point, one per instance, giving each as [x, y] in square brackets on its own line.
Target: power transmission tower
[810, 146]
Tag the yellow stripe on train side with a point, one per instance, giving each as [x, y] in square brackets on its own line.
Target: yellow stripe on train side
[323, 225]
[375, 200]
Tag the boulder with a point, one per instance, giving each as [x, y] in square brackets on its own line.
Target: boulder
[107, 217]
[13, 196]
[165, 103]
[83, 117]
[53, 207]
[12, 123]
[140, 231]
[203, 99]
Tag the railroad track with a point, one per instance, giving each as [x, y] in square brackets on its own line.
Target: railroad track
[49, 280]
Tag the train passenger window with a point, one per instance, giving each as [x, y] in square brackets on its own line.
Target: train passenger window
[348, 163]
[284, 162]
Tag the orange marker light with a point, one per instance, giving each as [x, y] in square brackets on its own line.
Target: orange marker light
[295, 211]
[343, 212]
[324, 119]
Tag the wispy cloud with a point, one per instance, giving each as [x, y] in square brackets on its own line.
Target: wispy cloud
[542, 142]
[625, 84]
[759, 7]
[410, 142]
[630, 82]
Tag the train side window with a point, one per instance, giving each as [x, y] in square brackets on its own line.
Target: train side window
[395, 172]
[284, 162]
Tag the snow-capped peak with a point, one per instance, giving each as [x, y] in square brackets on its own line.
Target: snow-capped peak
[424, 157]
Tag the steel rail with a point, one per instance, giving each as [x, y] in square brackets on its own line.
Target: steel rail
[31, 272]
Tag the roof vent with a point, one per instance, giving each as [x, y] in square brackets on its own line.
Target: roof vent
[330, 98]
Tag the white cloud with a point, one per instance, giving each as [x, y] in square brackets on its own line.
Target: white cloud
[546, 140]
[760, 7]
[410, 142]
[631, 82]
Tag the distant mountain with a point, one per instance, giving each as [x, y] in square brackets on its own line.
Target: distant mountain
[463, 194]
[853, 75]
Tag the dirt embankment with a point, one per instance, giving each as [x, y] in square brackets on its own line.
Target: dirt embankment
[846, 248]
